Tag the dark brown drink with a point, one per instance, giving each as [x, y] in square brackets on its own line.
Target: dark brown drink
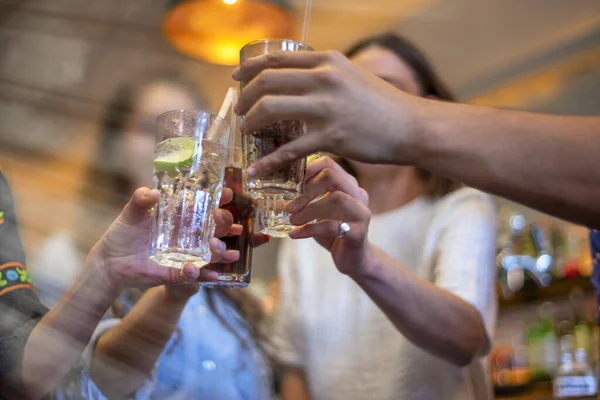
[237, 274]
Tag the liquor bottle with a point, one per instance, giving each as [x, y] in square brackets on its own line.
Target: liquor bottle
[574, 379]
[583, 328]
[542, 344]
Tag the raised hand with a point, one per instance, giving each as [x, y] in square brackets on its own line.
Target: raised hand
[332, 196]
[348, 111]
[122, 251]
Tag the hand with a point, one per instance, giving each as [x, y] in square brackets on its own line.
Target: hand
[348, 111]
[184, 291]
[331, 195]
[123, 250]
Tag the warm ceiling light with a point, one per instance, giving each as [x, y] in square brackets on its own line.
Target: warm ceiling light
[216, 30]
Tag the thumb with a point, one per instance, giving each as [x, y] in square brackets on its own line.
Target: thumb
[139, 206]
[303, 146]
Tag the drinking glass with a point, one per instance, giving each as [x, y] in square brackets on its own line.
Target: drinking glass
[274, 191]
[236, 274]
[189, 164]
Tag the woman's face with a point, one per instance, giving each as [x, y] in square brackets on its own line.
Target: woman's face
[389, 67]
[138, 145]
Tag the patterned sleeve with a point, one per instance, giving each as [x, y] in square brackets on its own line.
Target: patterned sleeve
[595, 248]
[20, 308]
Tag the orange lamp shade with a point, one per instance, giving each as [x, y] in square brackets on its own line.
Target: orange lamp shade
[216, 30]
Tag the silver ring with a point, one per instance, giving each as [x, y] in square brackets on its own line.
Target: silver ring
[344, 229]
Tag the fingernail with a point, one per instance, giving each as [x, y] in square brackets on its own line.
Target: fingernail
[251, 171]
[294, 232]
[147, 193]
[267, 238]
[222, 247]
[235, 73]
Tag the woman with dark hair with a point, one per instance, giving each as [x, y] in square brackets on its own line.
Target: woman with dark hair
[170, 341]
[416, 316]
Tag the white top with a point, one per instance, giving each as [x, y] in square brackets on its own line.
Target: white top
[346, 345]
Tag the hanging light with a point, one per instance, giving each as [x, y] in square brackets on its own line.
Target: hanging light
[216, 30]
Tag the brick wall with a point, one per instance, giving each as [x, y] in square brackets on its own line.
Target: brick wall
[60, 61]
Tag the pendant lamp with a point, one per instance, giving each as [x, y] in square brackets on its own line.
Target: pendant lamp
[216, 30]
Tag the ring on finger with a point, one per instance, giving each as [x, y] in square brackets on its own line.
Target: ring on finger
[344, 228]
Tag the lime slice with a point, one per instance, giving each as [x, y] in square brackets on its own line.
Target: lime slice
[174, 155]
[312, 157]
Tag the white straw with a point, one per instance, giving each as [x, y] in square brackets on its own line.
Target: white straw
[233, 119]
[306, 20]
[230, 98]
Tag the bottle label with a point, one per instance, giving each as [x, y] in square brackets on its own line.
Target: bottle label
[572, 386]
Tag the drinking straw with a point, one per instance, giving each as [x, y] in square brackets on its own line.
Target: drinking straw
[306, 20]
[230, 98]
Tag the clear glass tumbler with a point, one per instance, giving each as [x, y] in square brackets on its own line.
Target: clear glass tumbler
[273, 192]
[189, 165]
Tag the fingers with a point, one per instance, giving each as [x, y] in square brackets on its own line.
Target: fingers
[285, 59]
[191, 274]
[235, 230]
[275, 82]
[226, 196]
[139, 207]
[321, 163]
[325, 176]
[219, 252]
[260, 239]
[223, 222]
[337, 206]
[286, 154]
[275, 108]
[329, 229]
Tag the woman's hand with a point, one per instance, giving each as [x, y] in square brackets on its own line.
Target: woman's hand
[348, 111]
[183, 291]
[332, 196]
[122, 252]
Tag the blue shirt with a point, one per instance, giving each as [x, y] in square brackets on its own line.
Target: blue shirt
[204, 359]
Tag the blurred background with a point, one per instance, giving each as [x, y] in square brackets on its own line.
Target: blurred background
[76, 74]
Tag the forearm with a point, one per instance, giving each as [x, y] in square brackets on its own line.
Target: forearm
[125, 355]
[293, 385]
[57, 342]
[431, 318]
[543, 161]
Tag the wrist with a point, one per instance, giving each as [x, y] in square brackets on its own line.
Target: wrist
[368, 268]
[422, 122]
[97, 265]
[179, 294]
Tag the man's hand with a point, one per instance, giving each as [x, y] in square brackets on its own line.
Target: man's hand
[348, 111]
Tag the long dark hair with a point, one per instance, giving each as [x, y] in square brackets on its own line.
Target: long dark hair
[431, 86]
